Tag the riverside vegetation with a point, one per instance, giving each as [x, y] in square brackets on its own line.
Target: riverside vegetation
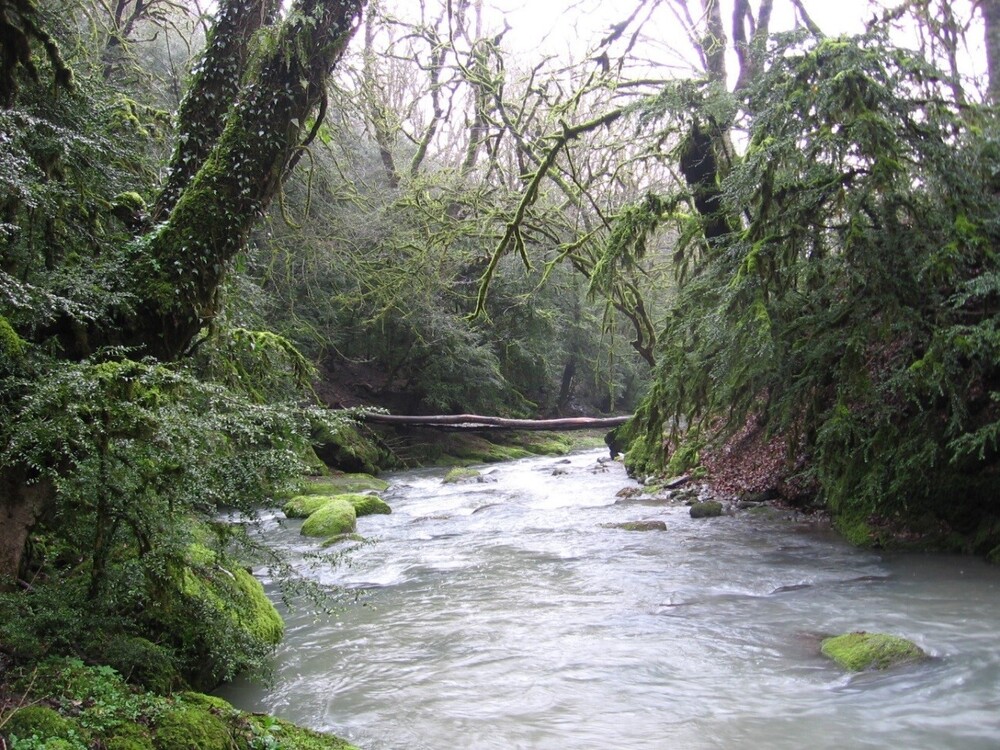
[222, 234]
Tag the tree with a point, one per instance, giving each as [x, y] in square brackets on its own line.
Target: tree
[162, 286]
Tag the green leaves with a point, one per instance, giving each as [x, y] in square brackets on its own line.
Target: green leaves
[856, 306]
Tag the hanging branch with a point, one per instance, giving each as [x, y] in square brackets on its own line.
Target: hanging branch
[513, 236]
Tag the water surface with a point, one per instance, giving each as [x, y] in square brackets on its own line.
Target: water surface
[502, 615]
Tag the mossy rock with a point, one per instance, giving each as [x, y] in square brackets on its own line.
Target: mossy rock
[189, 727]
[460, 474]
[339, 484]
[711, 509]
[239, 597]
[335, 517]
[637, 526]
[859, 652]
[39, 721]
[367, 505]
[303, 506]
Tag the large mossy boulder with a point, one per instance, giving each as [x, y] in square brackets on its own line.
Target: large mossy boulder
[336, 516]
[861, 651]
[239, 598]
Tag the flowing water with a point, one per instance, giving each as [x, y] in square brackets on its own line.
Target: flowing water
[503, 615]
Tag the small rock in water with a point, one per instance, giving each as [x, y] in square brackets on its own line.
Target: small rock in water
[559, 472]
[627, 492]
[861, 651]
[637, 525]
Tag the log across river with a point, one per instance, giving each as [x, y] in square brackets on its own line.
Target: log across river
[504, 614]
[504, 423]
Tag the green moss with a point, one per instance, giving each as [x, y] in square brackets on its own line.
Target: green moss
[239, 598]
[189, 727]
[459, 474]
[367, 505]
[858, 652]
[855, 529]
[130, 737]
[256, 614]
[709, 509]
[546, 443]
[303, 506]
[12, 346]
[40, 722]
[203, 700]
[337, 516]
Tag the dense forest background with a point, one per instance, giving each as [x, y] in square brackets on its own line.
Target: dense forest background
[776, 246]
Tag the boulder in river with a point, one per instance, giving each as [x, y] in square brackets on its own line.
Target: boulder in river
[460, 474]
[337, 516]
[861, 651]
[709, 509]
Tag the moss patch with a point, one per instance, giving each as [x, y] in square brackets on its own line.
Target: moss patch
[191, 728]
[336, 516]
[858, 652]
[40, 722]
[303, 506]
[12, 346]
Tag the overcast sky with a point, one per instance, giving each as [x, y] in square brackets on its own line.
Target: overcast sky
[574, 26]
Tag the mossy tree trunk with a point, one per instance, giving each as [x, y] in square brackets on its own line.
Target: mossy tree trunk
[185, 258]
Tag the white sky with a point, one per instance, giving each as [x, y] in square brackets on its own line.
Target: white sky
[571, 27]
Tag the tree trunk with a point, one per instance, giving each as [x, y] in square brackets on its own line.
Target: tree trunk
[991, 20]
[20, 506]
[185, 259]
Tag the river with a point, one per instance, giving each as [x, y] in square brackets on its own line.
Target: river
[502, 615]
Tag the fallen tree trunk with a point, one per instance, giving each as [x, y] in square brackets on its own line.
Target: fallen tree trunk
[501, 423]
